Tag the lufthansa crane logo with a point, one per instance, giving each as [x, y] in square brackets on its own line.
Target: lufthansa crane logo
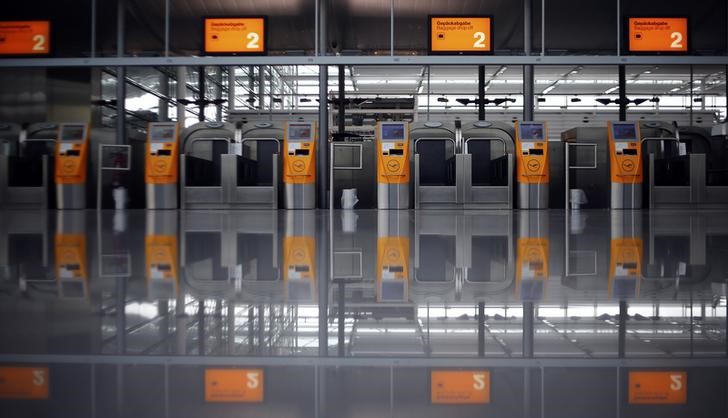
[627, 165]
[392, 165]
[298, 165]
[533, 165]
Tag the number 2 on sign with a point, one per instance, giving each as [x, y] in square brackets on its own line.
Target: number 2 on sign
[677, 38]
[253, 39]
[39, 43]
[479, 40]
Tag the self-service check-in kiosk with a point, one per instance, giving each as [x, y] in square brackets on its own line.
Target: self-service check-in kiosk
[532, 165]
[71, 258]
[299, 257]
[625, 256]
[532, 255]
[393, 165]
[393, 257]
[625, 163]
[162, 256]
[299, 165]
[71, 165]
[162, 165]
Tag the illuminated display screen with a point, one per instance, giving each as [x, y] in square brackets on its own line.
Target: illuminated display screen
[531, 131]
[461, 35]
[624, 131]
[163, 133]
[658, 34]
[300, 131]
[25, 37]
[393, 131]
[73, 132]
[235, 35]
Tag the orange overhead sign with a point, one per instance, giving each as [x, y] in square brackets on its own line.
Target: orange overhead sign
[23, 383]
[658, 387]
[236, 35]
[461, 34]
[658, 34]
[234, 385]
[32, 37]
[460, 387]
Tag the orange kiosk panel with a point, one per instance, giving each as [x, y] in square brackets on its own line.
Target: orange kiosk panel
[625, 153]
[72, 153]
[162, 153]
[532, 153]
[299, 160]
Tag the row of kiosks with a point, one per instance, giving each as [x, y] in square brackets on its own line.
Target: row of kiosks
[448, 171]
[227, 167]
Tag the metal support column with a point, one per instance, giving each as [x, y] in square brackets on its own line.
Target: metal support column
[181, 94]
[692, 81]
[201, 87]
[622, 94]
[481, 92]
[341, 319]
[342, 100]
[323, 117]
[528, 318]
[218, 93]
[231, 88]
[622, 329]
[120, 74]
[261, 86]
[527, 69]
[481, 329]
[163, 101]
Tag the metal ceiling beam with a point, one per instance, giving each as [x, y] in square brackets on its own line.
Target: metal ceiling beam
[571, 60]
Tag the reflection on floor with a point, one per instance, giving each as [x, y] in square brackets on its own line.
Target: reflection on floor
[555, 306]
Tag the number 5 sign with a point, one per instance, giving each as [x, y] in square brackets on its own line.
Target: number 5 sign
[234, 385]
[236, 36]
[460, 387]
[658, 387]
[25, 37]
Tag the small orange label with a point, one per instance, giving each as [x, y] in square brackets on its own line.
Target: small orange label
[658, 34]
[658, 387]
[235, 35]
[460, 34]
[460, 387]
[25, 37]
[23, 383]
[234, 385]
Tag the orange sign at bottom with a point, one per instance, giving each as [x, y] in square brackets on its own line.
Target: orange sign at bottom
[23, 383]
[658, 388]
[460, 387]
[234, 385]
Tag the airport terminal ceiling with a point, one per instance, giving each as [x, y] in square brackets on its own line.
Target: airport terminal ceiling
[362, 26]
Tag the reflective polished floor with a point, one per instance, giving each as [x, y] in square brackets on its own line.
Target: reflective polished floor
[363, 313]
